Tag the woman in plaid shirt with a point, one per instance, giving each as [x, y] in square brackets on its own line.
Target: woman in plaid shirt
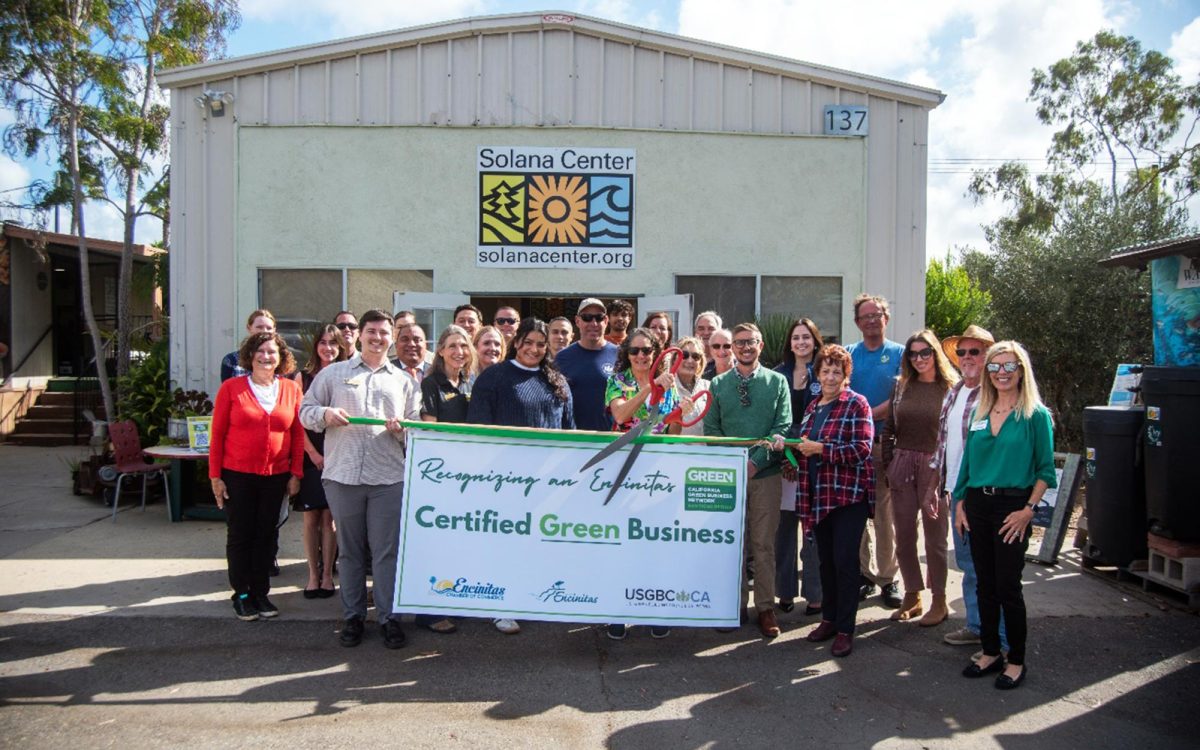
[835, 490]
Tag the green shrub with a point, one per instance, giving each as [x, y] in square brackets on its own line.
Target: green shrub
[952, 300]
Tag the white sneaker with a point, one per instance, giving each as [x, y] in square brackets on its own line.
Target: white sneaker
[507, 626]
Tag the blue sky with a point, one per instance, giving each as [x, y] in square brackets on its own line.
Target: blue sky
[979, 52]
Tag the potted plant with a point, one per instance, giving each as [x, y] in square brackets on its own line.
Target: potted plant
[186, 404]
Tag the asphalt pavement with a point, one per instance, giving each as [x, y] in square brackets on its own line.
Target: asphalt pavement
[121, 634]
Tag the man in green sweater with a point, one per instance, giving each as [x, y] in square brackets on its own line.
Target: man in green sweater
[753, 401]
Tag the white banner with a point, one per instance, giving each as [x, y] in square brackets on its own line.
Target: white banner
[509, 527]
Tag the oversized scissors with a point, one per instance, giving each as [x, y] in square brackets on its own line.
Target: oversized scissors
[652, 420]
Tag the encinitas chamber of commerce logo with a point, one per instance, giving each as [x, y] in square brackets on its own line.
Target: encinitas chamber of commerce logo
[557, 593]
[460, 589]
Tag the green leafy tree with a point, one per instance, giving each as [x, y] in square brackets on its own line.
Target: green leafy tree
[1125, 115]
[81, 77]
[952, 299]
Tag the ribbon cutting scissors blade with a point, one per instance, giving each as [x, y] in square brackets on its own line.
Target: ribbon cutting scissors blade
[657, 394]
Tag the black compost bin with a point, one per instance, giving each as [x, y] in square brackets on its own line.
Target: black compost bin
[1172, 398]
[1116, 497]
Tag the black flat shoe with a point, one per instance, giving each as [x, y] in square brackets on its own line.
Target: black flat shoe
[1004, 682]
[324, 593]
[786, 605]
[811, 610]
[311, 593]
[974, 670]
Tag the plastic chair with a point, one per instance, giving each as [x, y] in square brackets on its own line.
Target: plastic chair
[131, 461]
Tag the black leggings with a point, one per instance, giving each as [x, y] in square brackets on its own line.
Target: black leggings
[998, 569]
[838, 537]
[251, 513]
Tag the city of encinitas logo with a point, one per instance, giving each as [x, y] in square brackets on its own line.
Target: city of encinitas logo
[558, 594]
[460, 589]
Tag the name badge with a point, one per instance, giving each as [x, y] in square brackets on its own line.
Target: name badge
[980, 425]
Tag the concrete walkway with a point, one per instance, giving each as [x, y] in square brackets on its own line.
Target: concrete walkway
[113, 633]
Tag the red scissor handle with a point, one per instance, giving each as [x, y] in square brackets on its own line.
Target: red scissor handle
[657, 392]
[676, 415]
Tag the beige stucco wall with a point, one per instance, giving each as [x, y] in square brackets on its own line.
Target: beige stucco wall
[407, 197]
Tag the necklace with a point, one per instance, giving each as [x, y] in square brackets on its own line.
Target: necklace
[998, 411]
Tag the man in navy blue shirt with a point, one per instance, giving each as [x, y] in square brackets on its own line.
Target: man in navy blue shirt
[876, 366]
[587, 364]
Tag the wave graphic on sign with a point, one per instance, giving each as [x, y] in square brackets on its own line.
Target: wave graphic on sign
[610, 210]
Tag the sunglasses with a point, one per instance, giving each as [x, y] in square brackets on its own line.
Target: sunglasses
[1006, 366]
[592, 317]
[347, 326]
[743, 389]
[636, 350]
[721, 346]
[507, 321]
[920, 353]
[693, 355]
[968, 352]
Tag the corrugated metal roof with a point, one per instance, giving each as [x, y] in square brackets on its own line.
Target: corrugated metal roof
[1136, 256]
[643, 38]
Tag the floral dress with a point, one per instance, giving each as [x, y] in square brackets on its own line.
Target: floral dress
[624, 385]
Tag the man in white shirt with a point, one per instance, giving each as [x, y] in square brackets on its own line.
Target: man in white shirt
[967, 353]
[364, 470]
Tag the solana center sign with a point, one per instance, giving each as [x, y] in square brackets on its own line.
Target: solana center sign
[555, 207]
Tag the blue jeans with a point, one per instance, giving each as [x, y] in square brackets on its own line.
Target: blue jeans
[970, 593]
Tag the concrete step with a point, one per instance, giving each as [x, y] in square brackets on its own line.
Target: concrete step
[66, 399]
[46, 439]
[51, 426]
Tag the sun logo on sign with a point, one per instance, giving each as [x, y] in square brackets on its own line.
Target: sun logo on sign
[558, 209]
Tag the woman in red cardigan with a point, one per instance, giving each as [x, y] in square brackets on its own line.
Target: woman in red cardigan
[256, 454]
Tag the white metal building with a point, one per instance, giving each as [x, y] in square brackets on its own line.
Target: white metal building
[468, 160]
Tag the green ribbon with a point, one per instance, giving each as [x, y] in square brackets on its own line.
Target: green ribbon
[576, 436]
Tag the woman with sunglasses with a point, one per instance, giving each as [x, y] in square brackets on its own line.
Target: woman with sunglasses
[720, 344]
[627, 397]
[796, 364]
[1007, 466]
[688, 381]
[909, 440]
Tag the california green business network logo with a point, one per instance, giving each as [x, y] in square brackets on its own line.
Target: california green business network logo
[460, 589]
[710, 489]
[557, 593]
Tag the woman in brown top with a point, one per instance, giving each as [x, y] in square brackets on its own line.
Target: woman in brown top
[909, 440]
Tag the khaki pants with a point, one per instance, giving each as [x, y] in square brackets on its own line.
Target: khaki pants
[882, 549]
[762, 523]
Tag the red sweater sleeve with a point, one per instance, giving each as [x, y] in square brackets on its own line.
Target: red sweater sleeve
[220, 426]
[297, 429]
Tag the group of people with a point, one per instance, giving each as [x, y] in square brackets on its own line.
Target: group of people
[883, 436]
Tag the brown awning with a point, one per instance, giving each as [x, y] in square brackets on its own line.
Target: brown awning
[1137, 256]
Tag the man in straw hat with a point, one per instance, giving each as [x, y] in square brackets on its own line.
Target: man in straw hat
[967, 353]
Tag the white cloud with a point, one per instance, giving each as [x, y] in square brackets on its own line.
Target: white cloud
[1185, 51]
[980, 53]
[344, 18]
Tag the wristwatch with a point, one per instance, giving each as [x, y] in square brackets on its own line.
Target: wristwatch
[1033, 506]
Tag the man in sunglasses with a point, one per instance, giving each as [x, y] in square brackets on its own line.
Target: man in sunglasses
[347, 326]
[586, 364]
[753, 401]
[507, 319]
[967, 353]
[876, 362]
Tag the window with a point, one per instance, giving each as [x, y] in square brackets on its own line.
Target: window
[740, 298]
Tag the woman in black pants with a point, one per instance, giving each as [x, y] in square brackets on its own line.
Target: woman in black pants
[256, 454]
[835, 491]
[1007, 465]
